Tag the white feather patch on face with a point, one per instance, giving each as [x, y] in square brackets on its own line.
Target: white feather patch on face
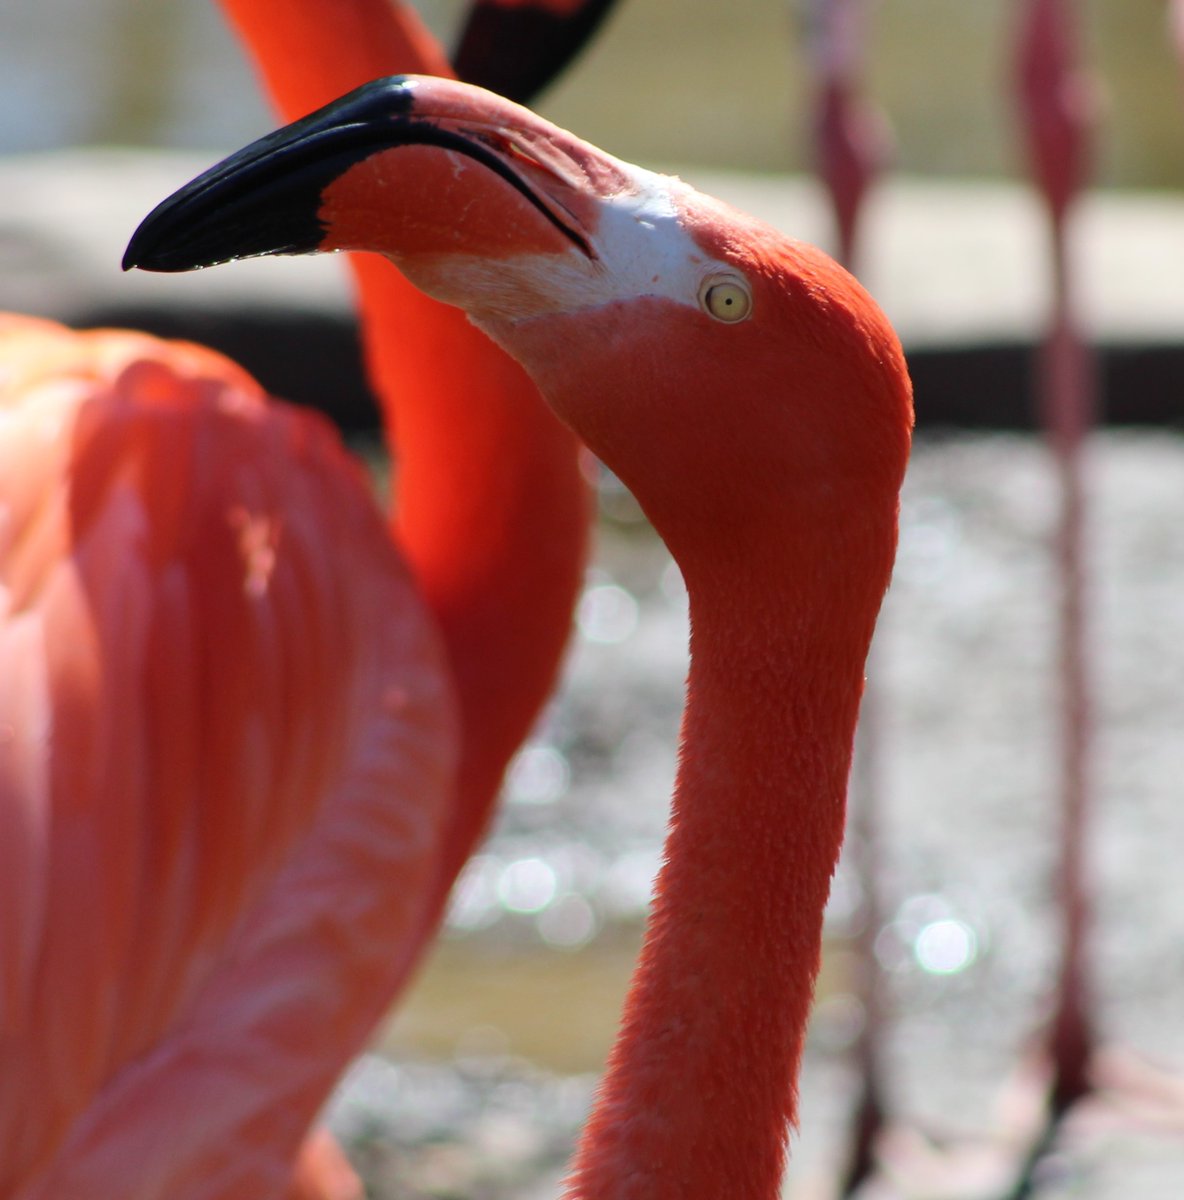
[641, 247]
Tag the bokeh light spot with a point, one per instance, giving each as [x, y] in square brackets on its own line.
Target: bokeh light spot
[945, 947]
[607, 614]
[527, 885]
[569, 923]
[538, 775]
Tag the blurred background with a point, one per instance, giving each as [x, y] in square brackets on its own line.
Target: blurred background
[670, 81]
[477, 1085]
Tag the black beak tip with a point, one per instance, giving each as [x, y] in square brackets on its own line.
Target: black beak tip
[171, 238]
[134, 255]
[146, 248]
[162, 243]
[265, 199]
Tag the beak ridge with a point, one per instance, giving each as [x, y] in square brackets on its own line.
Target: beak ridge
[266, 199]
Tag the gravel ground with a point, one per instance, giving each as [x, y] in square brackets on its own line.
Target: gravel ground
[964, 688]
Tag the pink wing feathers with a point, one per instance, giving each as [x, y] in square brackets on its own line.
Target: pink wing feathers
[226, 753]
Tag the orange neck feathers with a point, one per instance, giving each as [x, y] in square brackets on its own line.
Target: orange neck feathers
[701, 1085]
[786, 541]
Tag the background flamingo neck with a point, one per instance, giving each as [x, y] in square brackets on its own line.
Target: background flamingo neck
[493, 513]
[702, 1081]
[312, 52]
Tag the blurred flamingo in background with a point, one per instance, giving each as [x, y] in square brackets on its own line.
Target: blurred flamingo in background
[756, 402]
[851, 145]
[1058, 112]
[491, 509]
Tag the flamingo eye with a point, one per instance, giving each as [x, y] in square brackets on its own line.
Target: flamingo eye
[726, 298]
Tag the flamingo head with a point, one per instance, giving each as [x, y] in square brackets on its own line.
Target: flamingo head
[735, 379]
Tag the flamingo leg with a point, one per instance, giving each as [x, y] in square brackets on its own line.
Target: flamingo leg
[850, 147]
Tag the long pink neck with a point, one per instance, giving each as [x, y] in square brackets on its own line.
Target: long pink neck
[701, 1085]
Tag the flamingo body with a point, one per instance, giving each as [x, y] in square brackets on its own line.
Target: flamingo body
[230, 745]
[756, 401]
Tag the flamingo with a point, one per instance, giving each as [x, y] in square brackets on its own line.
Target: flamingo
[756, 401]
[491, 508]
[850, 148]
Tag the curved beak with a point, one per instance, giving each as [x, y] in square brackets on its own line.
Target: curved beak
[352, 176]
[478, 201]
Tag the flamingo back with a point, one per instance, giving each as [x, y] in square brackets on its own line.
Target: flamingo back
[227, 745]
